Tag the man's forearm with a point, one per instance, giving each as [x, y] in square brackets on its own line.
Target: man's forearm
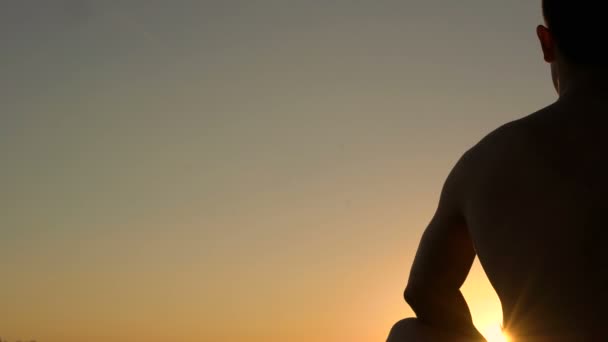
[447, 311]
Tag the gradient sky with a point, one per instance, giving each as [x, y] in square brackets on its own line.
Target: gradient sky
[240, 170]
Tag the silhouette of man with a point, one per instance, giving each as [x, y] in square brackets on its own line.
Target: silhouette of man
[531, 200]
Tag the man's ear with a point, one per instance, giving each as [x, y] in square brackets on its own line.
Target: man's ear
[547, 43]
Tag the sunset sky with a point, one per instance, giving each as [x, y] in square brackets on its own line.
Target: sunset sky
[240, 170]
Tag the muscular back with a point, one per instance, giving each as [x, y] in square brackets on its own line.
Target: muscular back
[537, 211]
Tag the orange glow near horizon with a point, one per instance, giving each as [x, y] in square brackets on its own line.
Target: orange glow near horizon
[484, 304]
[255, 171]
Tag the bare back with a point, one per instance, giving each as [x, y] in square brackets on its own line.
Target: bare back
[537, 211]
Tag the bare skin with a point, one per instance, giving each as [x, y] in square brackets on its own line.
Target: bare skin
[531, 201]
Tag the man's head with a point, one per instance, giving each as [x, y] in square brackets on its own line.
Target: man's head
[574, 35]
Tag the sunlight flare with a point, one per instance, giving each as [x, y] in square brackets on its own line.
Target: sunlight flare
[494, 333]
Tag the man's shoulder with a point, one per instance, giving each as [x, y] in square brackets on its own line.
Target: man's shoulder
[512, 139]
[503, 151]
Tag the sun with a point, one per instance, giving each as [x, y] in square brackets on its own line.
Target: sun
[495, 334]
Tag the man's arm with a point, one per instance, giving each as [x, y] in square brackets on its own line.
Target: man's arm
[442, 263]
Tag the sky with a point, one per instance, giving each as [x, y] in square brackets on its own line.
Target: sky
[239, 170]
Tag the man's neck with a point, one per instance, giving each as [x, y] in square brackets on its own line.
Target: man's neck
[582, 81]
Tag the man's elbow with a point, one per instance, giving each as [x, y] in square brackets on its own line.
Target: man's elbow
[415, 296]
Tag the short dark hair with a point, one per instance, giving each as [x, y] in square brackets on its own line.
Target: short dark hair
[577, 28]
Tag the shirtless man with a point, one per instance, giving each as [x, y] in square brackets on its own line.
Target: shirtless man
[531, 200]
